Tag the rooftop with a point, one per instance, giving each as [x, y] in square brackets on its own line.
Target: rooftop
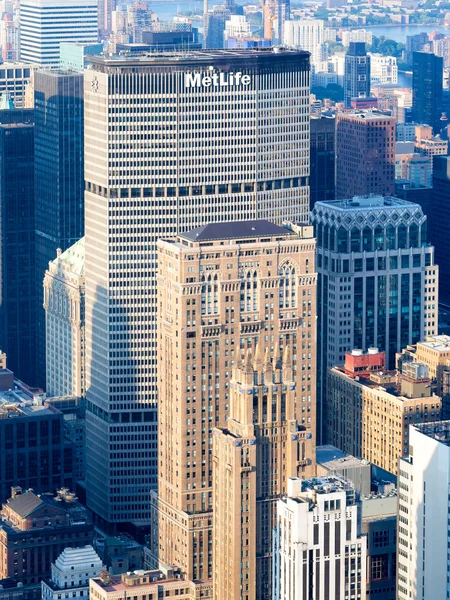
[438, 430]
[364, 202]
[333, 458]
[73, 257]
[438, 343]
[235, 229]
[78, 558]
[366, 115]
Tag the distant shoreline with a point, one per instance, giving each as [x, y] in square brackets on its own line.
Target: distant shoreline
[358, 26]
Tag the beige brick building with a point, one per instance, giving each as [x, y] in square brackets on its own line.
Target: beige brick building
[224, 290]
[369, 412]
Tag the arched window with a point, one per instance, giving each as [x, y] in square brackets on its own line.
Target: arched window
[367, 239]
[355, 242]
[288, 288]
[390, 237]
[413, 236]
[379, 238]
[402, 235]
[342, 240]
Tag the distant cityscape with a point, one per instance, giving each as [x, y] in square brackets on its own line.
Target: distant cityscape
[224, 300]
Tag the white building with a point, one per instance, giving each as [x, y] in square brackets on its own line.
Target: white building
[14, 78]
[318, 540]
[44, 24]
[306, 34]
[383, 69]
[72, 571]
[237, 26]
[356, 35]
[165, 167]
[64, 323]
[423, 532]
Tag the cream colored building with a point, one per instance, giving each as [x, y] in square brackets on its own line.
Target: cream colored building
[368, 414]
[165, 582]
[64, 323]
[223, 290]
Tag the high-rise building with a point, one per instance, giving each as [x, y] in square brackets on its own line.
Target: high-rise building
[105, 13]
[376, 272]
[14, 78]
[423, 514]
[74, 55]
[202, 166]
[357, 73]
[17, 250]
[383, 70]
[322, 159]
[306, 34]
[225, 291]
[59, 178]
[44, 24]
[365, 154]
[411, 165]
[73, 569]
[368, 408]
[427, 89]
[65, 323]
[215, 22]
[439, 219]
[318, 546]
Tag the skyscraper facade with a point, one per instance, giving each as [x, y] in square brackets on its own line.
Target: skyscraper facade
[377, 282]
[225, 291]
[17, 256]
[215, 21]
[322, 156]
[59, 177]
[179, 153]
[357, 73]
[439, 221]
[365, 154]
[44, 24]
[427, 89]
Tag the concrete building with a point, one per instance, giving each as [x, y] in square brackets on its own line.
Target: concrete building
[366, 258]
[379, 525]
[331, 461]
[120, 553]
[33, 450]
[72, 570]
[252, 170]
[383, 69]
[44, 24]
[357, 73]
[318, 544]
[423, 514]
[412, 165]
[306, 34]
[14, 78]
[149, 585]
[64, 323]
[74, 56]
[322, 159]
[365, 154]
[223, 280]
[57, 523]
[369, 408]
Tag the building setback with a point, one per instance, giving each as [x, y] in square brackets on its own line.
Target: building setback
[194, 167]
[225, 290]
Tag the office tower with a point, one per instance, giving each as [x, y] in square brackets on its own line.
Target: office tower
[105, 13]
[34, 529]
[357, 73]
[215, 21]
[33, 450]
[17, 268]
[318, 545]
[322, 159]
[171, 41]
[226, 293]
[64, 323]
[306, 34]
[59, 177]
[439, 219]
[256, 172]
[416, 193]
[44, 24]
[414, 43]
[149, 585]
[73, 568]
[14, 77]
[365, 154]
[423, 514]
[376, 273]
[74, 55]
[427, 89]
[368, 408]
[379, 525]
[383, 70]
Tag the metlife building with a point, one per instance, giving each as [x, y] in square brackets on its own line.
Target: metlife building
[172, 142]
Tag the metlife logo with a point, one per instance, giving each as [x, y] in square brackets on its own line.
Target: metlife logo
[222, 79]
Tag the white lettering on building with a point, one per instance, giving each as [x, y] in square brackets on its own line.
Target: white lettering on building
[216, 79]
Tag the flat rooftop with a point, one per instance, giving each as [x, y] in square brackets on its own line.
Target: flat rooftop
[439, 343]
[367, 115]
[437, 430]
[365, 202]
[333, 458]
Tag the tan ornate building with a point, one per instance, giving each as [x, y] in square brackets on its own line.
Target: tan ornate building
[64, 317]
[225, 290]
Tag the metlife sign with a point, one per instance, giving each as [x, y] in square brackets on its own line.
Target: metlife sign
[197, 80]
